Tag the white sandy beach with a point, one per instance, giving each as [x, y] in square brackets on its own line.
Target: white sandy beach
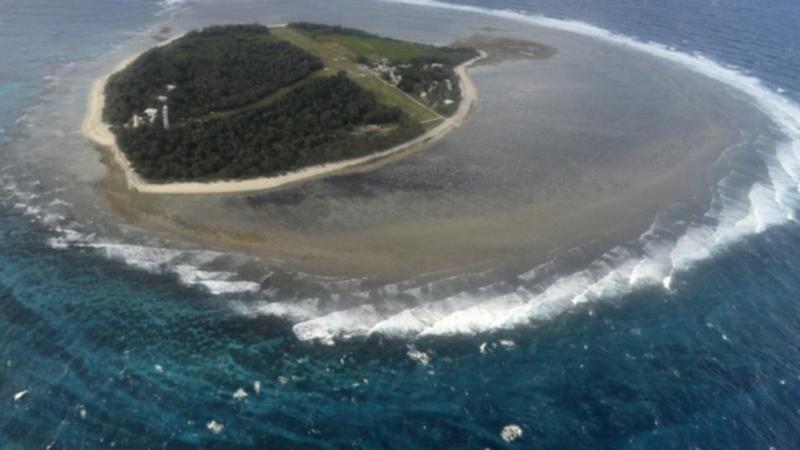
[99, 132]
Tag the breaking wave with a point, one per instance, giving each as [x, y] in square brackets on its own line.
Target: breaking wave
[211, 271]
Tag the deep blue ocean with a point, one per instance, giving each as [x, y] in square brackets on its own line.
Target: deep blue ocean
[97, 354]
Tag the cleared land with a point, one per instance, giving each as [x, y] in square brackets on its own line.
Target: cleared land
[336, 53]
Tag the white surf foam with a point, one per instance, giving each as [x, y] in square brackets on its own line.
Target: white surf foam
[413, 321]
[216, 282]
[45, 208]
[340, 325]
[296, 311]
[186, 264]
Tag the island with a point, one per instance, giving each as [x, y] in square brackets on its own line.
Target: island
[576, 147]
[249, 107]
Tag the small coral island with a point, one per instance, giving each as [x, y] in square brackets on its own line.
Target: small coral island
[245, 101]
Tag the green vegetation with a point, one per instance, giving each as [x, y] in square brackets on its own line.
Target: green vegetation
[420, 70]
[218, 68]
[339, 58]
[246, 101]
[373, 47]
[317, 122]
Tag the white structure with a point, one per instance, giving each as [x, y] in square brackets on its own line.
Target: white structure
[135, 121]
[383, 67]
[165, 116]
[170, 87]
[162, 98]
[151, 114]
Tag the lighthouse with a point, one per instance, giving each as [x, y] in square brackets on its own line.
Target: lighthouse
[165, 116]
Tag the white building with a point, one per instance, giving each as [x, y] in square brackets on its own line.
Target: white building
[151, 114]
[165, 116]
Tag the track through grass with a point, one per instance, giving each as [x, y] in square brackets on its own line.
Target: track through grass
[339, 57]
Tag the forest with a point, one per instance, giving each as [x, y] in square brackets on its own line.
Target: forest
[214, 69]
[316, 122]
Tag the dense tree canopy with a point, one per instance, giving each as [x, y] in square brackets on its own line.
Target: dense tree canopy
[321, 120]
[215, 69]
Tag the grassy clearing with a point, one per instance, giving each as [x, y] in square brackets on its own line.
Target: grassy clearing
[339, 56]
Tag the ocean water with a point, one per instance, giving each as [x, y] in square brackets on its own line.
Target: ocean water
[687, 338]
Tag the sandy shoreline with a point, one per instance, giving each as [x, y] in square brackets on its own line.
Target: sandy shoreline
[95, 129]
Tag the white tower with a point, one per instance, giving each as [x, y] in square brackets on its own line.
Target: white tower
[165, 116]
